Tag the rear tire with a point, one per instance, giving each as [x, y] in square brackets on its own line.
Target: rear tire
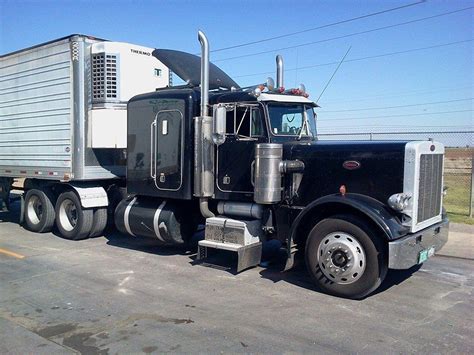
[99, 222]
[72, 220]
[345, 258]
[39, 211]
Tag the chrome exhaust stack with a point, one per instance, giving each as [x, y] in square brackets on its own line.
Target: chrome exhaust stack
[203, 145]
[279, 73]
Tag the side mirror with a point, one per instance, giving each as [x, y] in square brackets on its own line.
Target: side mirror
[219, 124]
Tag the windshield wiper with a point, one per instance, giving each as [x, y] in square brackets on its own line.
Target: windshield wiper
[303, 126]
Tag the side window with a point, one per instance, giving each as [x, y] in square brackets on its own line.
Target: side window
[244, 121]
[257, 122]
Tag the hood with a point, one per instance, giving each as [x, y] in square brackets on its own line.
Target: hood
[371, 168]
[188, 67]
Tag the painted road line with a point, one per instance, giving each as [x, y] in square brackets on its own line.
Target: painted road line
[11, 253]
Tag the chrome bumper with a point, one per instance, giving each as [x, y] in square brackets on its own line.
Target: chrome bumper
[404, 253]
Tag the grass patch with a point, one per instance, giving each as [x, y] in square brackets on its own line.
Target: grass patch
[457, 200]
[457, 218]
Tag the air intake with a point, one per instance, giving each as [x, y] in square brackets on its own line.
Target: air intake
[104, 78]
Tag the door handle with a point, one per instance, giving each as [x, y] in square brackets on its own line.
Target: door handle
[252, 173]
[152, 149]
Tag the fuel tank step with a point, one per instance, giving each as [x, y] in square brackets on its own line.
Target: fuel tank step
[240, 236]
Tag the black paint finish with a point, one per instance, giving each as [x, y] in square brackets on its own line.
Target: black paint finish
[379, 176]
[172, 159]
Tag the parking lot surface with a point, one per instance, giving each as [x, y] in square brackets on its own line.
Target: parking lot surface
[118, 294]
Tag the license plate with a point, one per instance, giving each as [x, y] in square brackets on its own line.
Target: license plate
[425, 254]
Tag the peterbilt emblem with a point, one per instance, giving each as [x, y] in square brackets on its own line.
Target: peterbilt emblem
[351, 165]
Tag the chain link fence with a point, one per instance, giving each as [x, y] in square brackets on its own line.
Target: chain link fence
[458, 165]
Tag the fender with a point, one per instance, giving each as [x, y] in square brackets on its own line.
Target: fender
[91, 196]
[373, 209]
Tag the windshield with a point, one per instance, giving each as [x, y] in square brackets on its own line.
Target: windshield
[292, 119]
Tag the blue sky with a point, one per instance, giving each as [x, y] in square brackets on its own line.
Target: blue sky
[363, 93]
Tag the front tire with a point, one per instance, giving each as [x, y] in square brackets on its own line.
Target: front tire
[72, 220]
[39, 211]
[345, 258]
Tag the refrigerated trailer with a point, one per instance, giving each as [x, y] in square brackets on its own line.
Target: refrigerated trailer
[63, 124]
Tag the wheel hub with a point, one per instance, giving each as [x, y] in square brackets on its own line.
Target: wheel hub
[68, 215]
[341, 258]
[34, 209]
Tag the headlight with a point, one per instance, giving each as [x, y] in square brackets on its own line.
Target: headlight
[399, 202]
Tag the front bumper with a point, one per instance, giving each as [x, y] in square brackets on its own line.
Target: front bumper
[404, 253]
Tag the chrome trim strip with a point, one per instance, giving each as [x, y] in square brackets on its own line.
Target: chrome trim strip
[126, 218]
[156, 220]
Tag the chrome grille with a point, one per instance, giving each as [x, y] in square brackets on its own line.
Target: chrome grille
[104, 77]
[429, 188]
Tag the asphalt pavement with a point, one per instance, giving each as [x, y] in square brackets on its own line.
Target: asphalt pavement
[119, 294]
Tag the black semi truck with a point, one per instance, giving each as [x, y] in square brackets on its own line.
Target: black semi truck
[247, 164]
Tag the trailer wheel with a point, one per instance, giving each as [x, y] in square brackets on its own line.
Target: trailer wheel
[72, 220]
[99, 222]
[345, 258]
[39, 211]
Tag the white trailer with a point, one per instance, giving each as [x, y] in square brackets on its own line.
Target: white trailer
[63, 127]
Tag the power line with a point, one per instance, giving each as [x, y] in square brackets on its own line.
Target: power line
[362, 128]
[319, 27]
[345, 36]
[391, 116]
[364, 58]
[401, 94]
[398, 106]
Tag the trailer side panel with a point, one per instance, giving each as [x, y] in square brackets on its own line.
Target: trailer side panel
[36, 112]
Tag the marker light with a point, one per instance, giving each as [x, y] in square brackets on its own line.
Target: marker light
[281, 89]
[342, 190]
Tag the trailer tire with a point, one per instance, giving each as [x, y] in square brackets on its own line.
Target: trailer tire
[99, 222]
[39, 211]
[345, 258]
[72, 220]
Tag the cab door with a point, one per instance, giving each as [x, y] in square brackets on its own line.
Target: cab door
[234, 162]
[167, 148]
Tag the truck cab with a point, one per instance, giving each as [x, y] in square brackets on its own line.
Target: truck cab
[246, 163]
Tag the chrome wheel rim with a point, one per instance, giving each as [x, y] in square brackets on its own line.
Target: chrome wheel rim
[341, 258]
[68, 215]
[34, 209]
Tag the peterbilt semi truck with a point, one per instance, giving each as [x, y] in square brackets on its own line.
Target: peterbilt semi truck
[247, 164]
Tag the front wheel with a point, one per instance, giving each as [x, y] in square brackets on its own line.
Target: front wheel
[345, 258]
